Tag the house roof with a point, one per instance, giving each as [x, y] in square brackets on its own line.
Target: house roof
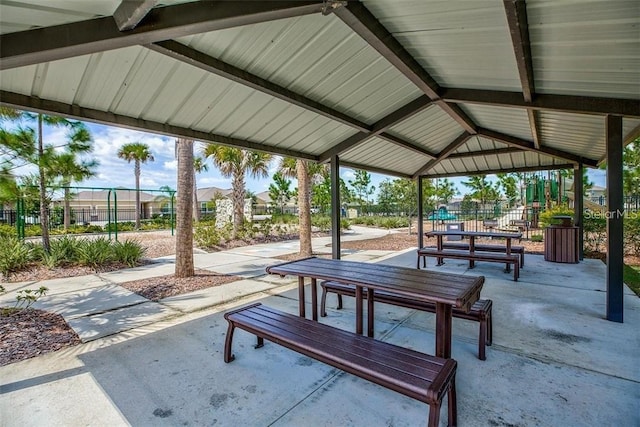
[406, 88]
[208, 193]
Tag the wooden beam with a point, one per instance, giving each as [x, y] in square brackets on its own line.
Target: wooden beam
[628, 139]
[406, 144]
[215, 66]
[449, 149]
[365, 24]
[379, 128]
[46, 44]
[130, 12]
[516, 11]
[24, 102]
[382, 171]
[534, 124]
[528, 145]
[494, 171]
[544, 102]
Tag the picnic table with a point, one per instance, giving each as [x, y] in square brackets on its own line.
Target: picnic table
[445, 290]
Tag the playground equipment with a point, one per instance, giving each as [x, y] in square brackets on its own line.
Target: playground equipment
[441, 215]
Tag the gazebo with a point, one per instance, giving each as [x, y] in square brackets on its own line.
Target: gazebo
[412, 89]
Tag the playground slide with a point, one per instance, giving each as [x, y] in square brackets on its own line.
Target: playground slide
[588, 203]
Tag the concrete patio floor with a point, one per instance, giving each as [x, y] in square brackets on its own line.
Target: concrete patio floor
[555, 361]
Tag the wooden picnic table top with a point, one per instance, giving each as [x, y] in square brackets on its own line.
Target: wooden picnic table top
[457, 290]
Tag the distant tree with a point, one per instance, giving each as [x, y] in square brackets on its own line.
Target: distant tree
[235, 163]
[509, 183]
[199, 166]
[280, 190]
[482, 189]
[631, 169]
[71, 169]
[137, 153]
[362, 186]
[28, 146]
[445, 190]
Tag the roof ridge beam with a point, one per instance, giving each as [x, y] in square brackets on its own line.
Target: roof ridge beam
[220, 68]
[529, 146]
[449, 149]
[491, 152]
[516, 11]
[130, 12]
[16, 100]
[45, 44]
[495, 171]
[365, 24]
[575, 104]
[378, 129]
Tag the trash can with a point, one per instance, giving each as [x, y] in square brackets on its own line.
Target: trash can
[455, 226]
[561, 241]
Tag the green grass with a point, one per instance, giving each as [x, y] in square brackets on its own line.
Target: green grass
[631, 277]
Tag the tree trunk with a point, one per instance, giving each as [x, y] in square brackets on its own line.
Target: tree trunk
[304, 208]
[238, 202]
[137, 173]
[184, 222]
[44, 212]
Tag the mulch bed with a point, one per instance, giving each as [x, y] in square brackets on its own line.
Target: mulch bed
[28, 333]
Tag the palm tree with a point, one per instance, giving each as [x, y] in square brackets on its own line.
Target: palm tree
[235, 163]
[199, 166]
[184, 219]
[304, 172]
[138, 153]
[71, 170]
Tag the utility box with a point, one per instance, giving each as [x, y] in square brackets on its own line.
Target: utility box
[455, 226]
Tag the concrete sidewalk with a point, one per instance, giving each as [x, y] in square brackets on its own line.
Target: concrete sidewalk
[95, 306]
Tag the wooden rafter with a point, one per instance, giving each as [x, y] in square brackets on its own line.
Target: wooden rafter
[130, 12]
[449, 149]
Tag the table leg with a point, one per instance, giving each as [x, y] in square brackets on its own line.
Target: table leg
[508, 269]
[359, 310]
[301, 296]
[439, 243]
[472, 249]
[370, 300]
[443, 330]
[314, 299]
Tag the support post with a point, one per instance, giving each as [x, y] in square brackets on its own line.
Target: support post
[420, 214]
[615, 214]
[335, 207]
[578, 207]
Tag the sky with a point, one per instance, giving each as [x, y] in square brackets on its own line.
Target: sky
[116, 172]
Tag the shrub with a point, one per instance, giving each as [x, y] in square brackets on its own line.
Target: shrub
[63, 250]
[95, 252]
[632, 234]
[7, 230]
[595, 233]
[536, 238]
[14, 255]
[546, 217]
[206, 236]
[322, 223]
[128, 252]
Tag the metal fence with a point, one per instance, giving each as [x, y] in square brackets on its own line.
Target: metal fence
[629, 203]
[78, 216]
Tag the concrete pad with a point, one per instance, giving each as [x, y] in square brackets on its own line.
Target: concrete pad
[56, 286]
[247, 268]
[112, 322]
[204, 298]
[89, 301]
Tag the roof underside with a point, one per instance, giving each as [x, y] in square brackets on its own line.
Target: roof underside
[406, 88]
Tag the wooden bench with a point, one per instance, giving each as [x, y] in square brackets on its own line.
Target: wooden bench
[523, 225]
[466, 255]
[486, 248]
[490, 223]
[480, 311]
[409, 372]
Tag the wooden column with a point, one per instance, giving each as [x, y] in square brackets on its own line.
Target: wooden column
[578, 207]
[420, 214]
[335, 207]
[615, 213]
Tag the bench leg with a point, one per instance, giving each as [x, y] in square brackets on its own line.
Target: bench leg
[228, 357]
[323, 303]
[259, 343]
[522, 259]
[482, 340]
[339, 301]
[489, 328]
[453, 410]
[434, 414]
[516, 272]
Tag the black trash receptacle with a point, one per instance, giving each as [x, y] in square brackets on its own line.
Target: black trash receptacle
[455, 226]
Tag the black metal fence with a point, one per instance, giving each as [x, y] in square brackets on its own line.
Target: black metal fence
[79, 216]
